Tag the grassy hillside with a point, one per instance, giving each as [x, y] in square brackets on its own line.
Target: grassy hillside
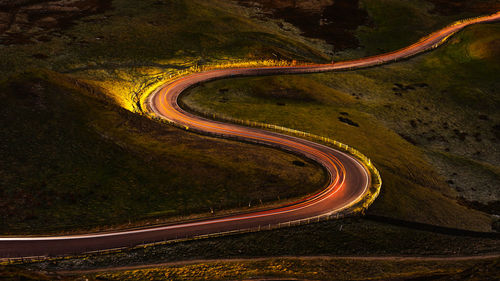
[301, 268]
[396, 23]
[136, 43]
[412, 118]
[71, 160]
[131, 46]
[314, 269]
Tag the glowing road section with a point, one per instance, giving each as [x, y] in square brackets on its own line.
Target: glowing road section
[348, 183]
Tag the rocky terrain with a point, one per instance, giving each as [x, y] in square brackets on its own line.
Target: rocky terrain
[332, 21]
[30, 21]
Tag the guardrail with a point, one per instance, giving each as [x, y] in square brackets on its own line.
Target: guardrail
[144, 245]
[355, 208]
[271, 63]
[373, 192]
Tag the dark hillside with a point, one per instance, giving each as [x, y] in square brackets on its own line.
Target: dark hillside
[71, 159]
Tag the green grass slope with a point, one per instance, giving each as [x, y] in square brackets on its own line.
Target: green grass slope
[70, 159]
[396, 23]
[137, 41]
[316, 269]
[296, 268]
[150, 31]
[129, 47]
[136, 44]
[401, 115]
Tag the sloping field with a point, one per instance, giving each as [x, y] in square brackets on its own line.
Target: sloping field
[412, 118]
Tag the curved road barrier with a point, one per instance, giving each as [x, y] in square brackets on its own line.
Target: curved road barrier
[349, 181]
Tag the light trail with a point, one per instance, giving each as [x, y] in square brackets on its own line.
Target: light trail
[349, 179]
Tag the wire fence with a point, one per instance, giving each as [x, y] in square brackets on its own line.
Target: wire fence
[354, 208]
[144, 245]
[357, 207]
[373, 192]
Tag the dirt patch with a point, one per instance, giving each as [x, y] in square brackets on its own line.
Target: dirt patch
[332, 21]
[25, 22]
[492, 207]
[348, 121]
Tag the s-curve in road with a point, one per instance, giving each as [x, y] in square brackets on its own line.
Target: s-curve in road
[349, 180]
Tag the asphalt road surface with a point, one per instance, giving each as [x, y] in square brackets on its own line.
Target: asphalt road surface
[349, 179]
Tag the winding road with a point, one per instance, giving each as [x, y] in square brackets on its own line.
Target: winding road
[349, 179]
